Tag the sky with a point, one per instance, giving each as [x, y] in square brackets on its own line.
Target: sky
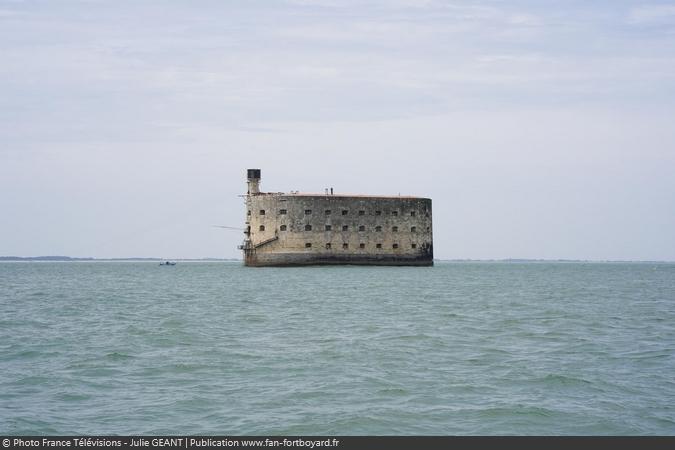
[540, 129]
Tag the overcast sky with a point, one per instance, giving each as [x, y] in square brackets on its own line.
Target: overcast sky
[540, 129]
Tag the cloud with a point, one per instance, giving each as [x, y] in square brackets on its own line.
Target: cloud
[522, 19]
[482, 94]
[652, 15]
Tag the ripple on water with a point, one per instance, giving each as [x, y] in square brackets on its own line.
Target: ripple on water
[118, 356]
[460, 348]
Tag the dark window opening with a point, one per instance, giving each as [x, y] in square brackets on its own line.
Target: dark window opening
[345, 245]
[428, 229]
[378, 228]
[328, 227]
[328, 211]
[394, 213]
[378, 245]
[328, 245]
[395, 246]
[413, 229]
[345, 212]
[282, 211]
[262, 212]
[308, 228]
[362, 228]
[394, 229]
[362, 213]
[412, 213]
[308, 245]
[362, 245]
[282, 228]
[378, 213]
[414, 246]
[248, 213]
[262, 227]
[345, 227]
[308, 212]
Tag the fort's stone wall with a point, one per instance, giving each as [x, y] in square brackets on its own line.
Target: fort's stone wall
[296, 229]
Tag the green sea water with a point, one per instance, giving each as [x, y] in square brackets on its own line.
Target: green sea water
[217, 348]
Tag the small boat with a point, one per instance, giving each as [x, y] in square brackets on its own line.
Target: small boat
[167, 263]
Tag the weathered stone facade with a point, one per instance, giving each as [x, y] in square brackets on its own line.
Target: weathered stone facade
[285, 229]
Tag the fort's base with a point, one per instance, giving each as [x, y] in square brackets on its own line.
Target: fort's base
[308, 259]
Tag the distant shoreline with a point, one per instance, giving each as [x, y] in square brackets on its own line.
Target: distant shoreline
[75, 259]
[140, 259]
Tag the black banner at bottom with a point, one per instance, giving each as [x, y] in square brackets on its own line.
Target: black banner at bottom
[332, 442]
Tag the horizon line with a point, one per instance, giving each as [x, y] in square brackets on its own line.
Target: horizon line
[61, 258]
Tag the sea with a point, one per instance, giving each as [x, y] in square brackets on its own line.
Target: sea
[215, 348]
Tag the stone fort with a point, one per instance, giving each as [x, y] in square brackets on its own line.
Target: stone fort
[287, 229]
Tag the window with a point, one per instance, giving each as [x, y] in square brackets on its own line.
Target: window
[308, 245]
[378, 213]
[413, 229]
[308, 228]
[345, 212]
[262, 227]
[328, 211]
[412, 213]
[308, 212]
[378, 228]
[282, 211]
[362, 228]
[362, 245]
[378, 245]
[362, 213]
[414, 246]
[428, 229]
[282, 228]
[345, 245]
[328, 245]
[328, 227]
[345, 227]
[262, 212]
[394, 229]
[394, 246]
[394, 213]
[248, 213]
